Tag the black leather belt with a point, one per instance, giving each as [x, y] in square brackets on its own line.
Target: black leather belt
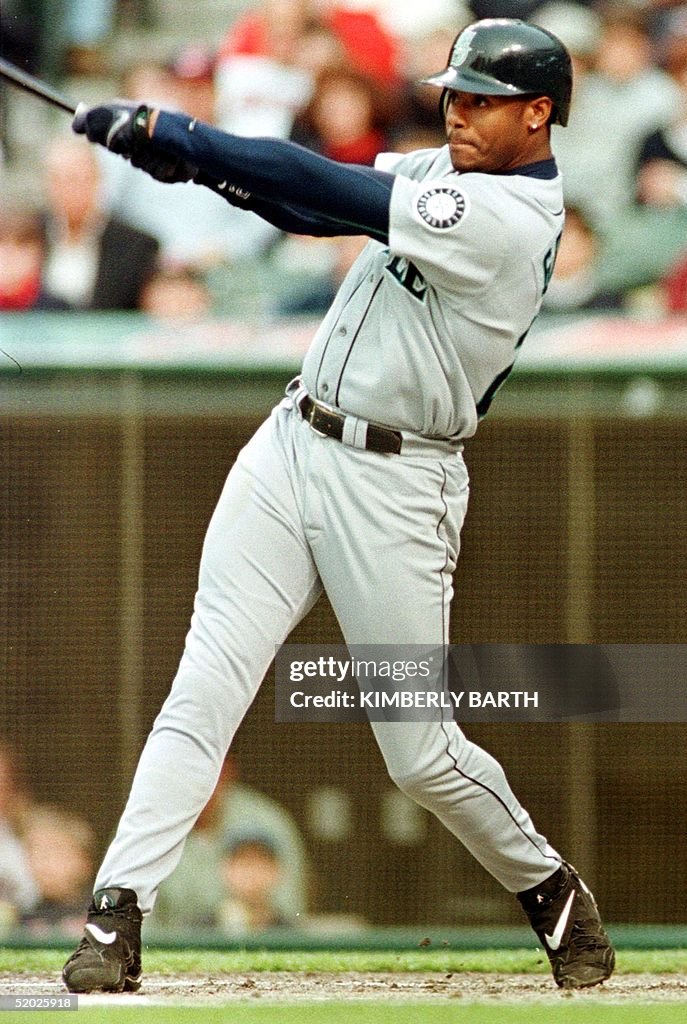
[331, 423]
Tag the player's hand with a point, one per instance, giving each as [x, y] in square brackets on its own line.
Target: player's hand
[121, 126]
[162, 166]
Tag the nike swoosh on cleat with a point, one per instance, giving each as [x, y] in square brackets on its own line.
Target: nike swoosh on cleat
[554, 941]
[586, 888]
[105, 937]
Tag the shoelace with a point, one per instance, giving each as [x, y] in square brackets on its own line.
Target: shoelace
[129, 913]
[585, 936]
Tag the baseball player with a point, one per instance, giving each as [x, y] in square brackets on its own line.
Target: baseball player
[356, 483]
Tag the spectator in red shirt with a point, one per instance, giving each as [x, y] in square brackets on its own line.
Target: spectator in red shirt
[261, 84]
[22, 257]
[347, 119]
[270, 31]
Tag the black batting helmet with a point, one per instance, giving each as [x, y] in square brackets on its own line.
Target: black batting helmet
[509, 57]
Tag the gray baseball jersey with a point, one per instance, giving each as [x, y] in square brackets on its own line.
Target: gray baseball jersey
[424, 329]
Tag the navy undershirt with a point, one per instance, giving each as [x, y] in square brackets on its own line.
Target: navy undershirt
[308, 187]
[291, 187]
[546, 169]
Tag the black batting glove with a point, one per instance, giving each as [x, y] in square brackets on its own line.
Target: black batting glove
[121, 126]
[162, 166]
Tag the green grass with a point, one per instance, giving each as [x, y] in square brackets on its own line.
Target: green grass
[515, 961]
[369, 1013]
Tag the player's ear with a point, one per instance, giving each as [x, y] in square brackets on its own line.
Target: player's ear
[538, 112]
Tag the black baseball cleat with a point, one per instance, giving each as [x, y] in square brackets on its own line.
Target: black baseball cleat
[565, 917]
[108, 958]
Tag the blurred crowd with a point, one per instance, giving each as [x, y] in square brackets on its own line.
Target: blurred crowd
[244, 867]
[341, 79]
[46, 857]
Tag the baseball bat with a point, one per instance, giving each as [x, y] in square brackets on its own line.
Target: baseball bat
[34, 85]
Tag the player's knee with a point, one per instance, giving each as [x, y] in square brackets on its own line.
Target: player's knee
[414, 783]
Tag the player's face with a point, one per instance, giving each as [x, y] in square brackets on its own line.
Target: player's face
[496, 133]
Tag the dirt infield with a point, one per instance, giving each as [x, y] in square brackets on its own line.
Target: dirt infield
[295, 986]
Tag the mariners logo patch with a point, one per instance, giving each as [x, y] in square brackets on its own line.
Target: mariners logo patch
[441, 208]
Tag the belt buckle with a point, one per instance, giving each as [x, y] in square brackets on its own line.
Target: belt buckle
[310, 415]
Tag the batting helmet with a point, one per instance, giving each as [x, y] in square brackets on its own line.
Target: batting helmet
[508, 57]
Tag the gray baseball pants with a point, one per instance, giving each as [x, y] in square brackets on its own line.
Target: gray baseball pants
[380, 533]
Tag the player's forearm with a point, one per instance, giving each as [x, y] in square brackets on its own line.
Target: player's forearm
[285, 216]
[281, 172]
[296, 221]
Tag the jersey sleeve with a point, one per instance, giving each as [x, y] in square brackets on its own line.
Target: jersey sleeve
[392, 163]
[451, 229]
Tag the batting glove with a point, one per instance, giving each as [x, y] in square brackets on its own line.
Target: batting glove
[120, 126]
[162, 166]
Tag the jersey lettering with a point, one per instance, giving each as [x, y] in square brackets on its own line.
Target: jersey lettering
[488, 397]
[550, 262]
[407, 274]
[483, 405]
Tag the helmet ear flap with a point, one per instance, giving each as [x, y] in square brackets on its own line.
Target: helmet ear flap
[443, 104]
